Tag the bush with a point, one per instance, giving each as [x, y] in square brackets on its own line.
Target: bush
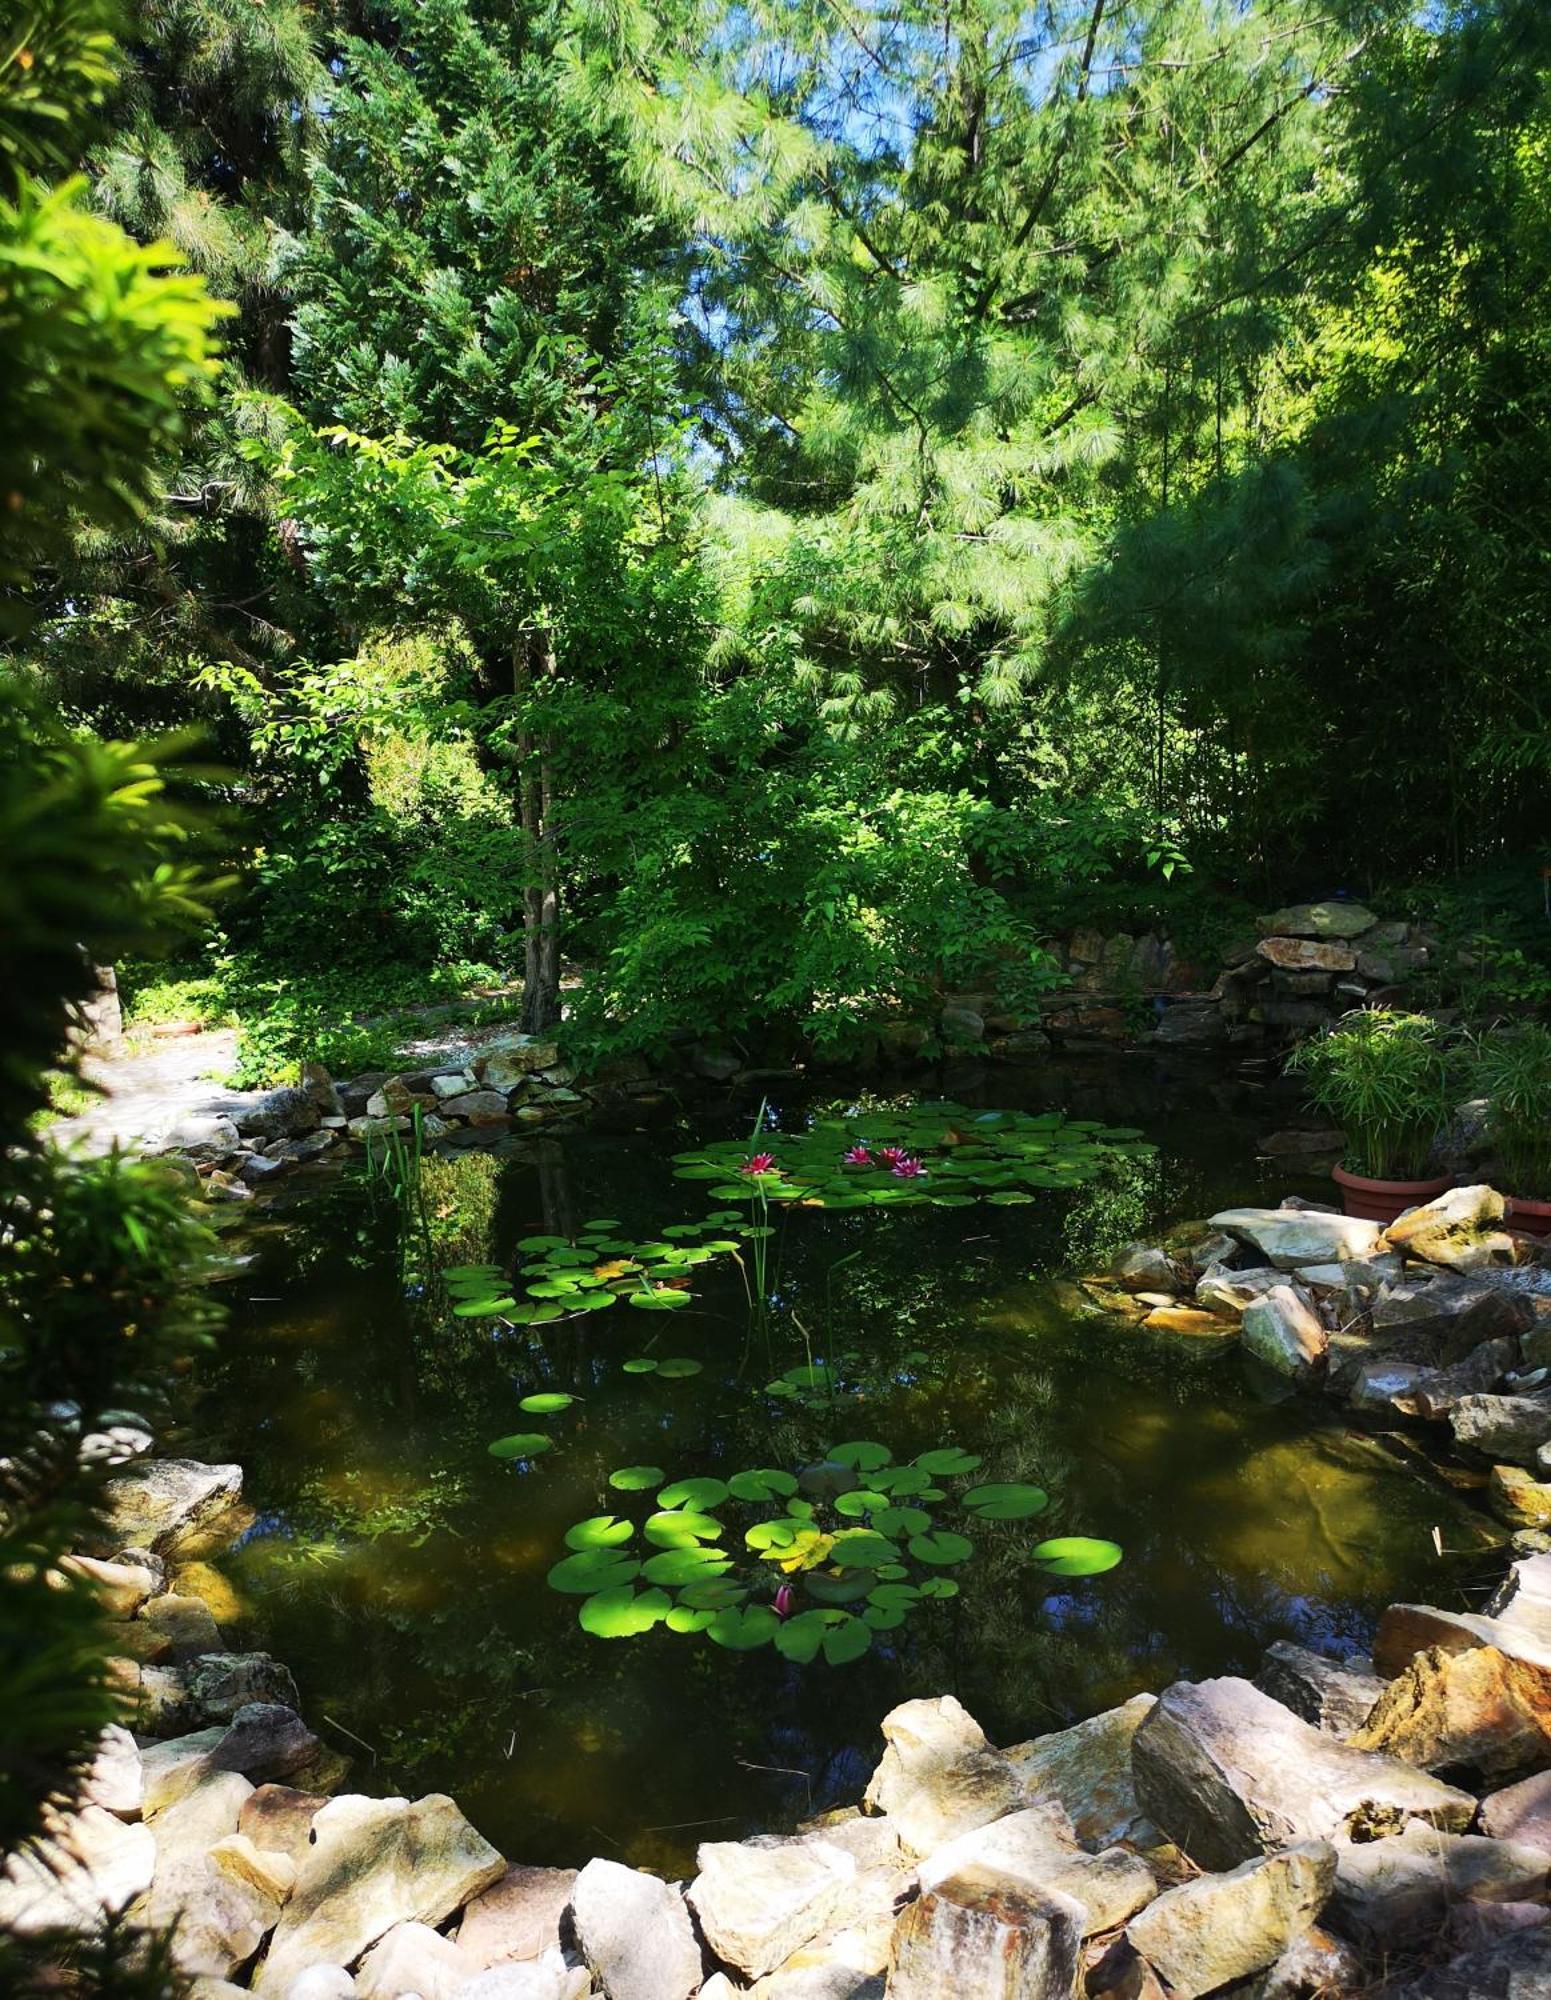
[1389, 1080]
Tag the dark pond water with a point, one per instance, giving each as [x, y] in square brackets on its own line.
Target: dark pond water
[401, 1570]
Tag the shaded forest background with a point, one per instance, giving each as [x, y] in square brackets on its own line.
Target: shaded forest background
[786, 507]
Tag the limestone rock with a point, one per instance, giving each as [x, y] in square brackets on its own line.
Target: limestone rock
[321, 1982]
[1123, 1974]
[1517, 1499]
[1389, 1388]
[121, 1587]
[285, 1113]
[1478, 1712]
[1188, 1320]
[1226, 1291]
[1203, 1253]
[1509, 1429]
[1087, 1770]
[538, 1979]
[1516, 1968]
[476, 1104]
[371, 1864]
[990, 1939]
[1333, 1696]
[1290, 954]
[1482, 1369]
[115, 1780]
[1440, 1317]
[510, 1060]
[263, 1740]
[1027, 1848]
[170, 1770]
[1288, 1237]
[634, 1932]
[938, 1775]
[166, 1502]
[279, 1819]
[1391, 1893]
[1224, 1927]
[218, 1684]
[458, 1084]
[221, 1920]
[1520, 1813]
[273, 1874]
[1229, 1773]
[184, 1623]
[1319, 920]
[413, 1959]
[758, 1901]
[1408, 1629]
[1285, 1332]
[84, 1866]
[517, 1917]
[1461, 1230]
[1315, 1966]
[1142, 1268]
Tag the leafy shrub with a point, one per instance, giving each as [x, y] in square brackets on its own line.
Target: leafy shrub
[1388, 1079]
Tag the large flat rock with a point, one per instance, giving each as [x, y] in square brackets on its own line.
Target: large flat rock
[371, 1864]
[939, 1775]
[972, 1937]
[758, 1901]
[1288, 1237]
[634, 1932]
[1028, 1848]
[1476, 1712]
[163, 1504]
[517, 1917]
[1329, 1694]
[1228, 1773]
[1219, 1928]
[1515, 1968]
[86, 1866]
[1393, 1893]
[1087, 1771]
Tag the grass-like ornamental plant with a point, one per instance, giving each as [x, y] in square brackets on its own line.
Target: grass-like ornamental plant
[1511, 1068]
[1387, 1079]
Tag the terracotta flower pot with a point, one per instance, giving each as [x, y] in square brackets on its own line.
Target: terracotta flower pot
[1530, 1218]
[1382, 1201]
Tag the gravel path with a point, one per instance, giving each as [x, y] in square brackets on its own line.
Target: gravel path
[143, 1094]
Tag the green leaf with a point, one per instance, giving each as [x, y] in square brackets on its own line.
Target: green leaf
[702, 1494]
[860, 1548]
[950, 1462]
[523, 1444]
[862, 1455]
[642, 1364]
[681, 1529]
[622, 1613]
[485, 1308]
[685, 1618]
[847, 1642]
[635, 1478]
[660, 1300]
[677, 1367]
[692, 1564]
[743, 1629]
[941, 1547]
[1078, 1555]
[766, 1483]
[603, 1531]
[939, 1586]
[713, 1593]
[1007, 1502]
[592, 1570]
[546, 1403]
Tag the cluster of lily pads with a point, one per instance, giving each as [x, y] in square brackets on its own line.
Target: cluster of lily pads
[941, 1153]
[563, 1277]
[853, 1550]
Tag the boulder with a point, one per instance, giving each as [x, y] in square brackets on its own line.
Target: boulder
[1515, 1968]
[393, 1099]
[413, 1959]
[279, 1819]
[1202, 1253]
[264, 1740]
[1393, 1893]
[1388, 1388]
[938, 1775]
[321, 1982]
[505, 1063]
[285, 1113]
[1291, 954]
[1224, 1927]
[549, 1978]
[476, 1104]
[1087, 1771]
[1333, 1696]
[121, 1588]
[1195, 1024]
[1315, 1966]
[974, 1937]
[218, 1684]
[1408, 1629]
[1288, 1237]
[165, 1503]
[1123, 1974]
[115, 1779]
[184, 1624]
[1142, 1268]
[1440, 1317]
[517, 1917]
[1440, 1391]
[1462, 1230]
[1226, 1291]
[273, 1874]
[1477, 1712]
[1228, 1773]
[1025, 1848]
[759, 1901]
[321, 1091]
[634, 1932]
[1520, 1813]
[1518, 1499]
[83, 1867]
[203, 1132]
[1188, 1320]
[1319, 920]
[221, 1919]
[1283, 1330]
[371, 1864]
[458, 1083]
[1364, 1274]
[1510, 1429]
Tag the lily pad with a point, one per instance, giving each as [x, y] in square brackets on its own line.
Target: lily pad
[948, 1463]
[663, 1299]
[1007, 1501]
[742, 1629]
[591, 1570]
[1078, 1555]
[485, 1308]
[702, 1494]
[861, 1454]
[635, 1478]
[690, 1564]
[765, 1483]
[677, 1367]
[523, 1444]
[623, 1613]
[681, 1528]
[603, 1531]
[546, 1403]
[941, 1547]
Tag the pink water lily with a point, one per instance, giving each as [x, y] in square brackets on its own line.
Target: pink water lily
[892, 1155]
[908, 1168]
[857, 1157]
[784, 1600]
[759, 1163]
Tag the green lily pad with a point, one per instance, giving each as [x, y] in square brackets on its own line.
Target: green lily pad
[677, 1367]
[641, 1364]
[681, 1528]
[712, 1593]
[546, 1403]
[702, 1494]
[523, 1444]
[949, 1462]
[941, 1547]
[635, 1478]
[847, 1642]
[766, 1483]
[663, 1299]
[860, 1548]
[603, 1531]
[485, 1308]
[685, 1618]
[1078, 1555]
[861, 1454]
[591, 1570]
[744, 1628]
[690, 1564]
[860, 1501]
[939, 1586]
[623, 1613]
[826, 1589]
[1007, 1502]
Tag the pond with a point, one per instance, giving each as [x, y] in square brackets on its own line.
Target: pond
[402, 1570]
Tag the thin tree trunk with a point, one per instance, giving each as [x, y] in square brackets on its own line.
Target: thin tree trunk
[541, 878]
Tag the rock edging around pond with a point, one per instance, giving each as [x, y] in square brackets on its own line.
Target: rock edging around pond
[1335, 1827]
[1442, 1319]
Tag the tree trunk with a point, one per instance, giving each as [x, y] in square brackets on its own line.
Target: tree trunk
[541, 876]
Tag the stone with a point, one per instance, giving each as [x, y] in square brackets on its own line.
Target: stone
[759, 1901]
[157, 1697]
[540, 1980]
[83, 1867]
[166, 1502]
[1333, 1697]
[1283, 1330]
[938, 1775]
[1357, 1273]
[1442, 1316]
[1123, 1974]
[184, 1623]
[961, 1024]
[1228, 1773]
[1462, 1230]
[1226, 1291]
[1293, 1145]
[115, 1779]
[278, 1819]
[371, 1127]
[1393, 1893]
[321, 1092]
[458, 1084]
[1477, 1712]
[1442, 1390]
[1019, 1045]
[634, 1932]
[1224, 1927]
[507, 1062]
[272, 1874]
[413, 1959]
[121, 1588]
[1315, 1966]
[1202, 1253]
[1288, 1237]
[371, 1864]
[1319, 920]
[1026, 1847]
[1087, 1771]
[1188, 1320]
[987, 1939]
[517, 1917]
[1517, 1499]
[264, 1740]
[1408, 1629]
[1142, 1268]
[286, 1113]
[204, 1581]
[476, 1104]
[218, 1684]
[1191, 1024]
[213, 1133]
[221, 1920]
[393, 1099]
[172, 1769]
[257, 1168]
[1515, 1968]
[1520, 1813]
[1472, 1926]
[1388, 1388]
[1511, 1429]
[1291, 954]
